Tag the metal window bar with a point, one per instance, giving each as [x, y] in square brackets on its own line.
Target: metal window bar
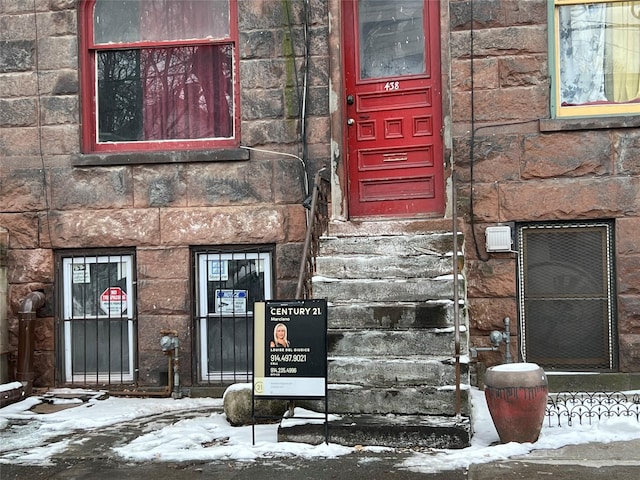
[99, 344]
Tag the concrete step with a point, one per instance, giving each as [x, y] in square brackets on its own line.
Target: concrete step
[396, 431]
[379, 227]
[401, 400]
[391, 343]
[592, 382]
[438, 244]
[363, 290]
[393, 371]
[392, 315]
[383, 266]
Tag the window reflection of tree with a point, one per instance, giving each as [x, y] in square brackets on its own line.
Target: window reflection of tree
[165, 93]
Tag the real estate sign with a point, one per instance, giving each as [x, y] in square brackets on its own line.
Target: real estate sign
[290, 349]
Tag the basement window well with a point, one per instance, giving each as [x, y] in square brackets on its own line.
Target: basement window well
[566, 297]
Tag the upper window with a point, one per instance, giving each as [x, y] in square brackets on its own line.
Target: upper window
[597, 56]
[159, 74]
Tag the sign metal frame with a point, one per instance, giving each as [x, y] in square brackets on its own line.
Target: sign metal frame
[290, 354]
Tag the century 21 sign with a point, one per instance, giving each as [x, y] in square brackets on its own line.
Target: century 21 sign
[290, 349]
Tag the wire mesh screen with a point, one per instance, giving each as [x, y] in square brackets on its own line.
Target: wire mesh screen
[566, 295]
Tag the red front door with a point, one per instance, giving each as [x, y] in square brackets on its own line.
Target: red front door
[394, 111]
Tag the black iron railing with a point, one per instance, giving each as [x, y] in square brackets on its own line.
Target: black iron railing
[570, 408]
[318, 219]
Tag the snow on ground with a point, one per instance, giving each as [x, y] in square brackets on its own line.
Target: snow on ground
[30, 438]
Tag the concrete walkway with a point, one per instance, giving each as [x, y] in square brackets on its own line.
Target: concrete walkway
[591, 461]
[94, 460]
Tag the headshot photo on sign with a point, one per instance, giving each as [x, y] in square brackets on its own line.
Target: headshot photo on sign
[279, 336]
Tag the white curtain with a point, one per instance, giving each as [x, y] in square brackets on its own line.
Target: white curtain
[582, 53]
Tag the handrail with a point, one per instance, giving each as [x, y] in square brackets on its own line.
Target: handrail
[318, 216]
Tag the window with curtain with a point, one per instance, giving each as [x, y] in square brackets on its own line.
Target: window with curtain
[597, 57]
[159, 74]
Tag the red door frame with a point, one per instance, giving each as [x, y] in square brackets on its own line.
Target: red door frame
[400, 179]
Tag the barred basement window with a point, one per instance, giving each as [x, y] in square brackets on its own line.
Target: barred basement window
[566, 295]
[229, 282]
[98, 319]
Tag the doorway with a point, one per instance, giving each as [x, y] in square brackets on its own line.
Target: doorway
[393, 108]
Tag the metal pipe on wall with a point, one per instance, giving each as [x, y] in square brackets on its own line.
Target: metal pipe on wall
[4, 323]
[26, 331]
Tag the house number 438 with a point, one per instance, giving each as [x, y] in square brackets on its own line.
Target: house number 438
[392, 86]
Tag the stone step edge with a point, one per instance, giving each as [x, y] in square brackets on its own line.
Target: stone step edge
[397, 431]
[350, 387]
[396, 303]
[434, 330]
[443, 359]
[440, 278]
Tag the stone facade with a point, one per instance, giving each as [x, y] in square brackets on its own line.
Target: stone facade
[529, 168]
[526, 167]
[55, 198]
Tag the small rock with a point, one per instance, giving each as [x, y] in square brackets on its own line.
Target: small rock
[237, 407]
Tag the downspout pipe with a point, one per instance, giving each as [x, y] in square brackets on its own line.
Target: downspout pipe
[4, 322]
[26, 334]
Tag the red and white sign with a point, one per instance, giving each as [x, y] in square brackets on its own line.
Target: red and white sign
[113, 301]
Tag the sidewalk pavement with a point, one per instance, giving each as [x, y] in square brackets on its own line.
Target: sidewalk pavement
[590, 461]
[615, 461]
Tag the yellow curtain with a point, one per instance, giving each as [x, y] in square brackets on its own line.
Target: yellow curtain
[623, 56]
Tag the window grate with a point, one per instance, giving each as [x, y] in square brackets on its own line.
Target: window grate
[229, 282]
[98, 322]
[566, 295]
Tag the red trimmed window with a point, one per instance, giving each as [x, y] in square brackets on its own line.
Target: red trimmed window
[159, 74]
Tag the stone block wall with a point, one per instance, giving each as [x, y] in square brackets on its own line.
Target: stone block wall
[53, 197]
[526, 167]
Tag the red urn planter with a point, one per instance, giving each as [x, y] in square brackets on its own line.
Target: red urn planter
[516, 395]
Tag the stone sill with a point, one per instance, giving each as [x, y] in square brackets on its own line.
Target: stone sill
[152, 158]
[570, 124]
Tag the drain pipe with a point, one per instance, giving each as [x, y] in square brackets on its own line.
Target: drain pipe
[456, 306]
[169, 344]
[4, 322]
[26, 330]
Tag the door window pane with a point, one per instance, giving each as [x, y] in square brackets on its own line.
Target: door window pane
[91, 355]
[392, 38]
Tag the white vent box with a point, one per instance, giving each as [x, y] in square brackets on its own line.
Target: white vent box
[498, 239]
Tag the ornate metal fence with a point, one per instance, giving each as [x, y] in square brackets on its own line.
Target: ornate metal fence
[571, 408]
